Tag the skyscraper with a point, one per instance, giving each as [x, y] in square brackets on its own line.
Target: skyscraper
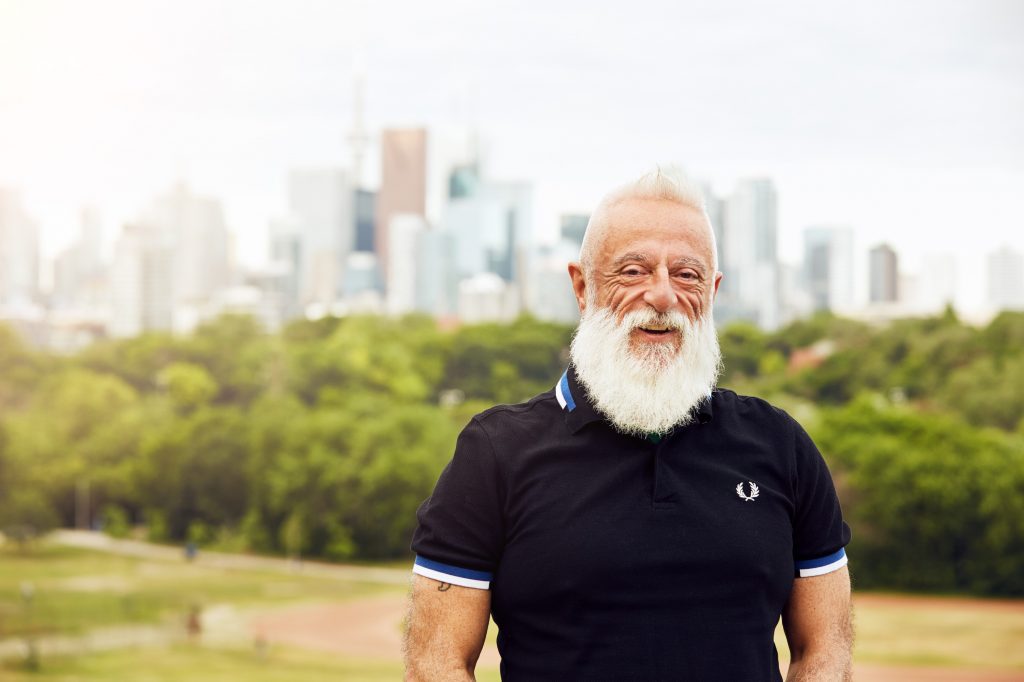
[322, 203]
[714, 206]
[19, 252]
[573, 227]
[550, 294]
[365, 215]
[491, 229]
[169, 263]
[883, 275]
[194, 227]
[937, 283]
[78, 277]
[403, 232]
[750, 288]
[403, 183]
[436, 283]
[286, 262]
[1006, 279]
[141, 281]
[828, 267]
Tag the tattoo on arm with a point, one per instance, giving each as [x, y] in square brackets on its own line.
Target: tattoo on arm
[444, 587]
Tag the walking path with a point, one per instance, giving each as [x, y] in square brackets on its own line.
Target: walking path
[145, 550]
[99, 639]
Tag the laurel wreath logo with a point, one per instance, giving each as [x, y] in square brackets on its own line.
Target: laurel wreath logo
[754, 491]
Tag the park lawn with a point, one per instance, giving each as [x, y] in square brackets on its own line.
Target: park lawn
[936, 632]
[80, 589]
[956, 635]
[75, 589]
[187, 662]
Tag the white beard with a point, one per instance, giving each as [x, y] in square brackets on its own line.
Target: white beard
[649, 389]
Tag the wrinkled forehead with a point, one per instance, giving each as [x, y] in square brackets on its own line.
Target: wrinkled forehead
[633, 224]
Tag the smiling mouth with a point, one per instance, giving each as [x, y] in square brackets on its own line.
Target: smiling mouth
[656, 331]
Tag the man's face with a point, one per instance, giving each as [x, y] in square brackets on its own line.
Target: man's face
[655, 257]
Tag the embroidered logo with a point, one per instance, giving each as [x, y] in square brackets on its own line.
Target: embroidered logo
[754, 491]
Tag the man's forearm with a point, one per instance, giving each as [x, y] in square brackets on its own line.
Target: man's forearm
[824, 666]
[423, 670]
[445, 630]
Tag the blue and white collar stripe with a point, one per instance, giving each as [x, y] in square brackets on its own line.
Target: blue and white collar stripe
[563, 393]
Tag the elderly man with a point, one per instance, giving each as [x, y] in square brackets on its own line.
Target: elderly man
[635, 522]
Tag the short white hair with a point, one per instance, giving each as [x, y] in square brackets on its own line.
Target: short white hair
[668, 183]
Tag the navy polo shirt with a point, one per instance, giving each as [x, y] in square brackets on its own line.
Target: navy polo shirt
[612, 557]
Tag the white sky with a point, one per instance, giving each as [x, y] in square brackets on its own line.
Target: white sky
[903, 120]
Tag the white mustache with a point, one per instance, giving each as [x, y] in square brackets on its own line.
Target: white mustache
[649, 318]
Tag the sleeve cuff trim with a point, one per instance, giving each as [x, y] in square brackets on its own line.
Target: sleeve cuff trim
[821, 565]
[464, 577]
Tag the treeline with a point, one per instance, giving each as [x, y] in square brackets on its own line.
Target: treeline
[922, 423]
[320, 441]
[323, 439]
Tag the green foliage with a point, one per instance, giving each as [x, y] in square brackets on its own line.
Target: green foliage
[507, 363]
[322, 440]
[193, 467]
[742, 347]
[934, 504]
[189, 385]
[236, 353]
[20, 369]
[156, 525]
[400, 358]
[115, 521]
[26, 514]
[137, 361]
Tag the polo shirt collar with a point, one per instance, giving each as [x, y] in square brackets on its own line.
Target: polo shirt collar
[579, 411]
[574, 401]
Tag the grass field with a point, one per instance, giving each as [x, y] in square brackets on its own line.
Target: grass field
[78, 590]
[185, 662]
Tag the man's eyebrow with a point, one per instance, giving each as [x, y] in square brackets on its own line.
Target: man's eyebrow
[630, 257]
[687, 261]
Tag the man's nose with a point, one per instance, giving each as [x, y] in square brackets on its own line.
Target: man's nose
[659, 294]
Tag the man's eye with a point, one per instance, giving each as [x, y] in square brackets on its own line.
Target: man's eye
[632, 272]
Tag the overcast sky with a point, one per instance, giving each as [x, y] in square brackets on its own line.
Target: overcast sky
[903, 120]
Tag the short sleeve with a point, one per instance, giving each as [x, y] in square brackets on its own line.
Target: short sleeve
[820, 534]
[460, 534]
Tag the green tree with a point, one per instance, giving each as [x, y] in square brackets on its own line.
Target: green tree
[189, 385]
[930, 499]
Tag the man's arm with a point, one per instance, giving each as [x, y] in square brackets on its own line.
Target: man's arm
[819, 628]
[445, 630]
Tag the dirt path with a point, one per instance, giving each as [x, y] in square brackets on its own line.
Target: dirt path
[365, 628]
[244, 562]
[371, 628]
[922, 603]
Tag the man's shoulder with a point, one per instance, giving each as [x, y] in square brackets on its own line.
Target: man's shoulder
[730, 402]
[537, 409]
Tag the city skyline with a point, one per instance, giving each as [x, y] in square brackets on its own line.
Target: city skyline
[334, 254]
[904, 129]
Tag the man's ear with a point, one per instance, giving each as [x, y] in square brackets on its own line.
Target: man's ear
[718, 281]
[579, 285]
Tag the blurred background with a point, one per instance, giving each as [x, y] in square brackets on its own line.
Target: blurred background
[260, 262]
